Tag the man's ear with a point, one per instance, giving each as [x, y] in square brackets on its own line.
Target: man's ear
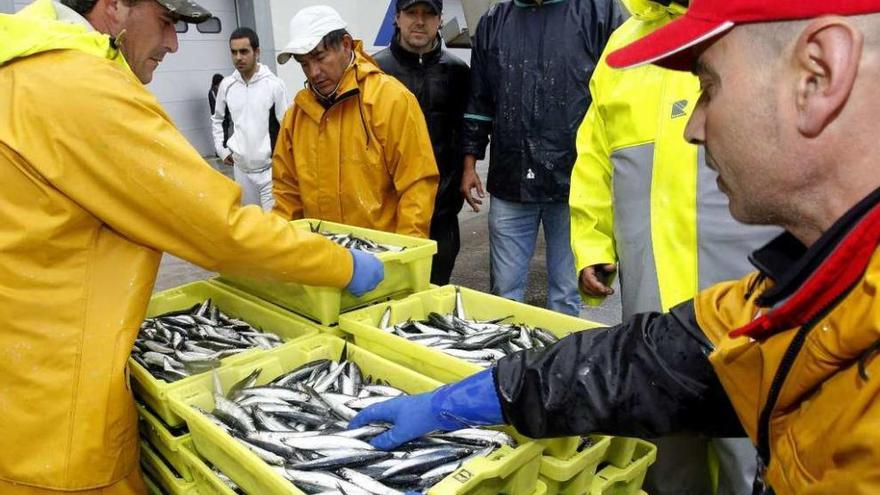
[826, 60]
[113, 8]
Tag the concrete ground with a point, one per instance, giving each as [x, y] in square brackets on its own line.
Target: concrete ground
[471, 268]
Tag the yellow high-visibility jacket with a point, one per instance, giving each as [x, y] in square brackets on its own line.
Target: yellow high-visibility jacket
[640, 194]
[366, 161]
[808, 392]
[95, 183]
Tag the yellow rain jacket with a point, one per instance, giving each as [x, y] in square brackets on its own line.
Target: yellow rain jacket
[95, 183]
[366, 160]
[643, 196]
[804, 377]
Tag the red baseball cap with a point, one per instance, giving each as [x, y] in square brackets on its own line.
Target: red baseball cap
[670, 45]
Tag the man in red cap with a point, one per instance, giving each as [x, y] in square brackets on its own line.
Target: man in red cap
[789, 353]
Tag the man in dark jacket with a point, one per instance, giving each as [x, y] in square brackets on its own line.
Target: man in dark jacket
[441, 82]
[531, 65]
[788, 354]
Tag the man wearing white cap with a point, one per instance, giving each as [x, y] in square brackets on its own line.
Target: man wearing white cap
[354, 148]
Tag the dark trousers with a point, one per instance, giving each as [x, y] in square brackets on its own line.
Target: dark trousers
[445, 231]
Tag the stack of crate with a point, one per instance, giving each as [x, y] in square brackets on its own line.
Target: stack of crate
[313, 321]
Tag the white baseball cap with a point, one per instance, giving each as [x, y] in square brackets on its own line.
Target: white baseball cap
[308, 27]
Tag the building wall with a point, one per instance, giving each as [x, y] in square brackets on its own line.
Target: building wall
[182, 81]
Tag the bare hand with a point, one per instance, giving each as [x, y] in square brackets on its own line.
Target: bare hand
[594, 280]
[229, 161]
[470, 180]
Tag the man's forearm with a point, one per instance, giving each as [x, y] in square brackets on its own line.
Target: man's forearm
[648, 377]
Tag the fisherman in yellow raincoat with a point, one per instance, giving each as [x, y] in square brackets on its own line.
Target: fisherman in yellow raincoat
[95, 183]
[354, 148]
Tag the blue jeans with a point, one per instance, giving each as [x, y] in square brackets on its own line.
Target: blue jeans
[513, 232]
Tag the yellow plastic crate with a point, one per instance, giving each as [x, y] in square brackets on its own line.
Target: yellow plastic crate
[508, 470]
[152, 487]
[154, 392]
[363, 325]
[160, 474]
[574, 476]
[613, 480]
[540, 488]
[621, 451]
[332, 329]
[407, 271]
[207, 483]
[164, 441]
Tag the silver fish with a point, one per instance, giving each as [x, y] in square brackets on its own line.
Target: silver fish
[300, 428]
[194, 341]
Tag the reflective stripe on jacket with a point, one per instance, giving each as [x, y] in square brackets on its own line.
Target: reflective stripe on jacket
[96, 183]
[644, 197]
[366, 160]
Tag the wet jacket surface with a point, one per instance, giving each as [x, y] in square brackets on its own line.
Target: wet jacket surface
[94, 189]
[530, 68]
[643, 196]
[365, 161]
[441, 83]
[792, 380]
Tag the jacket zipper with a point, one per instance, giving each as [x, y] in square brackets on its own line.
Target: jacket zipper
[788, 359]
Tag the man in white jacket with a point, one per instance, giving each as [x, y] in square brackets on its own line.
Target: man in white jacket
[257, 100]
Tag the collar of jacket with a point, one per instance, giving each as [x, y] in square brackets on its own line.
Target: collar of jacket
[807, 281]
[409, 58]
[649, 10]
[261, 72]
[38, 28]
[352, 80]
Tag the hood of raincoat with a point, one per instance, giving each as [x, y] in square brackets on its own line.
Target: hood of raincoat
[37, 29]
[362, 66]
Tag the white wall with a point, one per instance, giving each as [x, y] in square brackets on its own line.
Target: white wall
[182, 80]
[364, 18]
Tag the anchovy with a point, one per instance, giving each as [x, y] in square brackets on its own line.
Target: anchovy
[194, 341]
[481, 342]
[348, 240]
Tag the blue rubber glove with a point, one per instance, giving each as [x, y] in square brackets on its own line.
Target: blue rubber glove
[368, 271]
[470, 402]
